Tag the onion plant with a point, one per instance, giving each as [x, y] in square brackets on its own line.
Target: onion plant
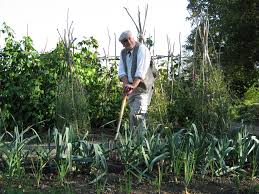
[196, 141]
[128, 183]
[100, 186]
[194, 148]
[159, 179]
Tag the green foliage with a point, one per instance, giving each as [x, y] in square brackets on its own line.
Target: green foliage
[14, 153]
[27, 84]
[189, 159]
[71, 152]
[158, 110]
[39, 164]
[63, 169]
[188, 152]
[74, 112]
[175, 147]
[232, 38]
[247, 110]
[204, 103]
[252, 95]
[89, 96]
[129, 150]
[244, 145]
[44, 87]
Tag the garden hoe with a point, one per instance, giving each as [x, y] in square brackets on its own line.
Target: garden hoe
[121, 115]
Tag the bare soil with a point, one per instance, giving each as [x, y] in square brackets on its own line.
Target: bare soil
[78, 183]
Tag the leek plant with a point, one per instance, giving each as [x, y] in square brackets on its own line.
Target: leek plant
[38, 165]
[14, 153]
[244, 146]
[255, 159]
[98, 166]
[175, 148]
[128, 149]
[189, 160]
[223, 150]
[154, 153]
[62, 169]
[153, 150]
[159, 179]
[69, 150]
[63, 144]
[210, 159]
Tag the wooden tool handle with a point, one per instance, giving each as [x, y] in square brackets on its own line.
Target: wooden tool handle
[121, 115]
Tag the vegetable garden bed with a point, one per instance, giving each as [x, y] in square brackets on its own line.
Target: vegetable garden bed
[162, 161]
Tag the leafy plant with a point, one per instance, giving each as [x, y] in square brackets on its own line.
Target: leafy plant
[38, 164]
[62, 168]
[153, 150]
[129, 150]
[175, 147]
[210, 159]
[255, 157]
[26, 81]
[223, 150]
[14, 153]
[244, 145]
[189, 160]
[63, 143]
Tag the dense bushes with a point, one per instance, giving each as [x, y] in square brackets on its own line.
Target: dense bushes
[247, 109]
[26, 89]
[43, 90]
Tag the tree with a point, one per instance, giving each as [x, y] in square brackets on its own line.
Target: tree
[232, 38]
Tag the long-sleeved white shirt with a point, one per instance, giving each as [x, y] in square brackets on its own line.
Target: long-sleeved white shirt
[143, 63]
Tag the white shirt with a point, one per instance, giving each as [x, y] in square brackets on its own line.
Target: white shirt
[143, 63]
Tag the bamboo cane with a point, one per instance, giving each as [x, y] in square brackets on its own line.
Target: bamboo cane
[121, 115]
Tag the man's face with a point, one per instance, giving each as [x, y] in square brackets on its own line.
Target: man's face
[128, 43]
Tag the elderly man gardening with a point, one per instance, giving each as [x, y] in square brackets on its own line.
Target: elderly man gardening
[138, 81]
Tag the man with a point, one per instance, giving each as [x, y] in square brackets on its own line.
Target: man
[136, 74]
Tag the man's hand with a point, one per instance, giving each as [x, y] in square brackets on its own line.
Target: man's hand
[127, 89]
